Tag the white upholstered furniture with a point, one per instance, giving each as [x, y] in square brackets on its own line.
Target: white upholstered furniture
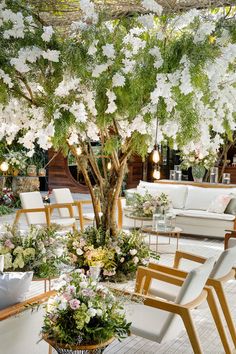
[63, 195]
[160, 320]
[221, 273]
[37, 213]
[20, 327]
[190, 204]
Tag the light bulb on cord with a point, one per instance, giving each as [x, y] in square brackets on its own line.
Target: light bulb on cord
[78, 151]
[156, 173]
[109, 165]
[4, 166]
[155, 155]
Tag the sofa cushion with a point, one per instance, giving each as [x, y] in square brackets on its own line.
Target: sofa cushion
[200, 198]
[176, 193]
[219, 204]
[231, 207]
[13, 287]
[204, 214]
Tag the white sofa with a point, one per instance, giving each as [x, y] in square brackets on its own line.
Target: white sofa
[20, 327]
[190, 204]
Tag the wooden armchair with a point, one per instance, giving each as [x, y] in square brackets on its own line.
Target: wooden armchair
[222, 272]
[63, 195]
[39, 214]
[160, 320]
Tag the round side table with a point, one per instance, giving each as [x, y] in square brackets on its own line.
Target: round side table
[175, 233]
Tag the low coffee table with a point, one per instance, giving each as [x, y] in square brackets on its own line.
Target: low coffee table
[175, 233]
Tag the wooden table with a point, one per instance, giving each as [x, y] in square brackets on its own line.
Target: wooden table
[175, 233]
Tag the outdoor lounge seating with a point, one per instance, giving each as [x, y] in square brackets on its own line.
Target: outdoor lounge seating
[190, 204]
[221, 273]
[20, 327]
[39, 214]
[159, 320]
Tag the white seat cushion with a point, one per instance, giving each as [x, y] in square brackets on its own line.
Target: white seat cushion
[146, 321]
[176, 193]
[199, 198]
[204, 214]
[33, 200]
[163, 290]
[232, 242]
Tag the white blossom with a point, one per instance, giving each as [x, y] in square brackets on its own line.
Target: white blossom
[152, 5]
[47, 33]
[118, 80]
[109, 51]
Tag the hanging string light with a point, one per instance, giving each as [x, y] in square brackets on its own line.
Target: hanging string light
[109, 165]
[156, 157]
[78, 151]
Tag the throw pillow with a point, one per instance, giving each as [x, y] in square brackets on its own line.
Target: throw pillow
[219, 204]
[231, 207]
[13, 287]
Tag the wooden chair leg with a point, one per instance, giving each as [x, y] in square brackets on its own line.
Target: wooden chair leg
[219, 325]
[226, 311]
[191, 331]
[49, 349]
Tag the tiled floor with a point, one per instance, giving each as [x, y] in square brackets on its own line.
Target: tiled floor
[204, 323]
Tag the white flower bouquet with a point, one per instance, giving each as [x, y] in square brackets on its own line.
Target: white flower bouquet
[145, 205]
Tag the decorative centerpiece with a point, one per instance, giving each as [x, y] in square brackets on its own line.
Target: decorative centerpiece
[40, 250]
[83, 316]
[117, 259]
[199, 160]
[147, 204]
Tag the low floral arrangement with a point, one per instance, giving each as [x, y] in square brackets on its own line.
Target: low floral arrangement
[118, 258]
[83, 312]
[8, 201]
[17, 161]
[40, 250]
[146, 205]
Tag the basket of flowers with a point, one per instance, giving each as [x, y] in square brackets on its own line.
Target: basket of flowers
[83, 316]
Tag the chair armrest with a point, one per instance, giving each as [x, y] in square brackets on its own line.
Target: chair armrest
[68, 206]
[36, 210]
[168, 270]
[145, 275]
[228, 235]
[192, 257]
[17, 308]
[162, 304]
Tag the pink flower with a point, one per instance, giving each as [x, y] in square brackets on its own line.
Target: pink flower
[74, 304]
[9, 244]
[67, 296]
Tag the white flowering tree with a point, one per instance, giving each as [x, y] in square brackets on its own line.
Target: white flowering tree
[109, 80]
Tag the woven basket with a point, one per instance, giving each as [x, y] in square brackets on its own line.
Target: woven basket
[79, 348]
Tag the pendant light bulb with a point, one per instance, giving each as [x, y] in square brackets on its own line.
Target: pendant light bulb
[4, 166]
[156, 174]
[155, 156]
[109, 165]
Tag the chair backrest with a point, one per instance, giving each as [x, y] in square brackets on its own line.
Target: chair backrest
[224, 264]
[33, 200]
[190, 290]
[63, 195]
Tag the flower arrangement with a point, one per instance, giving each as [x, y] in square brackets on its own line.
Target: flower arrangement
[145, 205]
[40, 250]
[83, 312]
[17, 161]
[119, 257]
[195, 158]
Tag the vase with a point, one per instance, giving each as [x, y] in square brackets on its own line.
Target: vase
[42, 172]
[159, 219]
[31, 171]
[198, 172]
[15, 171]
[78, 348]
[95, 272]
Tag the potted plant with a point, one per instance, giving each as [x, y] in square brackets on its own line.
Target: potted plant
[83, 315]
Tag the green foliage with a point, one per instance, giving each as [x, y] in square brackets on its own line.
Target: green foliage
[4, 210]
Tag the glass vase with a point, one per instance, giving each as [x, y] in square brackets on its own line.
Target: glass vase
[198, 173]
